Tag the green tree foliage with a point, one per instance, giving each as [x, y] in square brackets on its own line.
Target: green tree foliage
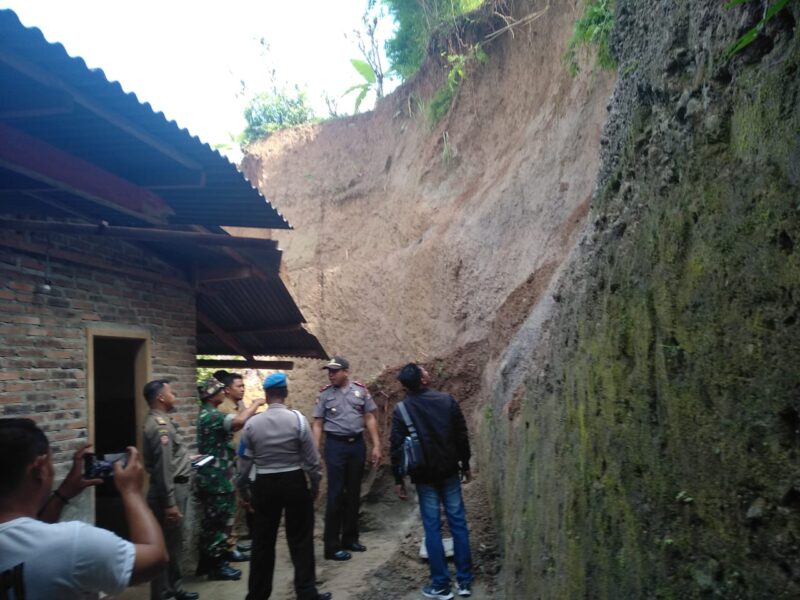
[593, 28]
[416, 20]
[269, 112]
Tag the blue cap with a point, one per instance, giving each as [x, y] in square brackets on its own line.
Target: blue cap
[276, 380]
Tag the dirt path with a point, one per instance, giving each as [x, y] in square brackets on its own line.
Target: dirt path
[390, 570]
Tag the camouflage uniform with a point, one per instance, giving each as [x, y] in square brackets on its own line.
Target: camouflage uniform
[214, 483]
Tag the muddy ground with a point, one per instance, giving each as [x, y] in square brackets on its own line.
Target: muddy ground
[391, 569]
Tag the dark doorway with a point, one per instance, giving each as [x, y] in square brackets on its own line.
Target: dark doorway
[115, 417]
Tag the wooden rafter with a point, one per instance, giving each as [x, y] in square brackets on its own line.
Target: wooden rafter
[11, 240]
[24, 154]
[148, 234]
[220, 363]
[224, 336]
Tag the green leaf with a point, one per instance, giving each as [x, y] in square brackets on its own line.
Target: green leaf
[360, 98]
[749, 37]
[364, 69]
[735, 3]
[358, 86]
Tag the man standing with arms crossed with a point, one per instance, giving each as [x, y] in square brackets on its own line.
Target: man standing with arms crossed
[169, 466]
[343, 410]
[442, 431]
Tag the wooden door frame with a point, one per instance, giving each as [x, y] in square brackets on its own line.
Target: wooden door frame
[143, 369]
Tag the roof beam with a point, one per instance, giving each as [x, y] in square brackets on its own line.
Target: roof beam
[218, 274]
[270, 331]
[49, 79]
[223, 336]
[282, 365]
[145, 234]
[33, 158]
[19, 243]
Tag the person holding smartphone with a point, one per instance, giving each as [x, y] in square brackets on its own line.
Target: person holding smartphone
[42, 559]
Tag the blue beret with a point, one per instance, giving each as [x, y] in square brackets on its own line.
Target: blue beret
[276, 380]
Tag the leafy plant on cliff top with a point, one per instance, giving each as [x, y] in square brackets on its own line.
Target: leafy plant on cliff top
[770, 10]
[459, 65]
[416, 20]
[370, 82]
[593, 28]
[266, 113]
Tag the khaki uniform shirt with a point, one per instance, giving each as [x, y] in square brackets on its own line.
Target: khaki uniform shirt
[165, 456]
[344, 408]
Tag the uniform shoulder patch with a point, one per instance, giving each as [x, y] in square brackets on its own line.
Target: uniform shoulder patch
[358, 383]
[160, 421]
[322, 389]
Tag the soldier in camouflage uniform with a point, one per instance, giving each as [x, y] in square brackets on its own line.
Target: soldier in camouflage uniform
[215, 488]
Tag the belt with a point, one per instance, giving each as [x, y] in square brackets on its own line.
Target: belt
[353, 437]
[181, 479]
[273, 470]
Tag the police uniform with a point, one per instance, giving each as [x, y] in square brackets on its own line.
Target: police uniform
[215, 482]
[167, 461]
[279, 443]
[343, 410]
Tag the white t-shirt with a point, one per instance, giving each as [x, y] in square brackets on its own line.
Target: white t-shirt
[63, 560]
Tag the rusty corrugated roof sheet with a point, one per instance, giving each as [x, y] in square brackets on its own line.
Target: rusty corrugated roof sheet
[42, 74]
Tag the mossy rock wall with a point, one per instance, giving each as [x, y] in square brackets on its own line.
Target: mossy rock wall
[654, 453]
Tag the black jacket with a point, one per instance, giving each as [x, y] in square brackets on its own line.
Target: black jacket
[442, 431]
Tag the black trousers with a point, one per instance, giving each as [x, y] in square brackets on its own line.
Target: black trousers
[274, 494]
[345, 466]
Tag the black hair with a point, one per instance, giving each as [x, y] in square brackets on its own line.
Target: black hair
[226, 378]
[21, 441]
[410, 376]
[277, 392]
[153, 388]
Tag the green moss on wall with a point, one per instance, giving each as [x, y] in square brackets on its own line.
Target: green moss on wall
[661, 457]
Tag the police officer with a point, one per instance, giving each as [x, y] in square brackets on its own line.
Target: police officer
[343, 410]
[167, 462]
[279, 443]
[215, 482]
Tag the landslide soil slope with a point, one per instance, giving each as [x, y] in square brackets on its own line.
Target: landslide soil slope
[410, 236]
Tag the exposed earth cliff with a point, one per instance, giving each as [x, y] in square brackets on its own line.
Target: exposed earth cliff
[631, 356]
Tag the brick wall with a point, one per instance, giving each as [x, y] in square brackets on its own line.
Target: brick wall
[43, 361]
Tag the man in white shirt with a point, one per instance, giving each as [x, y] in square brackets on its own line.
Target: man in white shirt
[42, 559]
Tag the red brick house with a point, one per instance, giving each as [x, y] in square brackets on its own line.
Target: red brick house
[114, 267]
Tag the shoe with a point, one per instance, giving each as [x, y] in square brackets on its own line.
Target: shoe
[338, 555]
[443, 593]
[186, 596]
[225, 573]
[355, 547]
[236, 556]
[244, 547]
[465, 589]
[324, 596]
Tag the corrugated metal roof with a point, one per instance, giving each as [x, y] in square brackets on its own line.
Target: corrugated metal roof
[56, 99]
[37, 74]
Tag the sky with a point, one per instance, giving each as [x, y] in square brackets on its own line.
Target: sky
[189, 58]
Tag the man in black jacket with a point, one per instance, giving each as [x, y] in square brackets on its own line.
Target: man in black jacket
[442, 431]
